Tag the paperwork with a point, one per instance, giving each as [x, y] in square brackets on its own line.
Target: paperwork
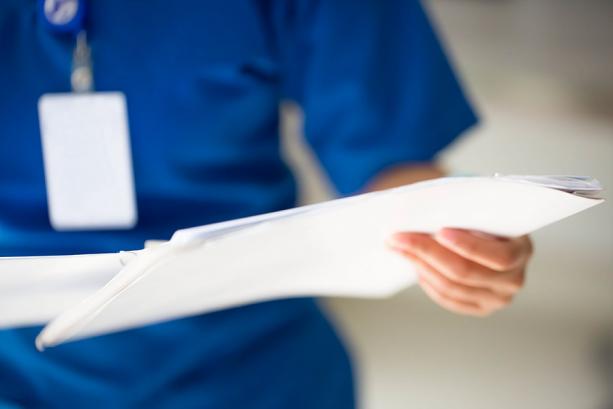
[336, 248]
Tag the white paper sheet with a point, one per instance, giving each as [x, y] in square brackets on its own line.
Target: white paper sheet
[332, 249]
[35, 289]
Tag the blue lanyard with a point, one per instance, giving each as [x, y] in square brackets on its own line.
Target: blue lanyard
[62, 16]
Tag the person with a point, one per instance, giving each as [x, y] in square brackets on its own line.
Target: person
[203, 81]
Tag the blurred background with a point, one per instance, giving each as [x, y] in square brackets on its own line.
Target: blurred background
[540, 73]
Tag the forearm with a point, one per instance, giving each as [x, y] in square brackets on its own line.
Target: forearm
[405, 174]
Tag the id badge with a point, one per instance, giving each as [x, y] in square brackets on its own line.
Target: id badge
[88, 161]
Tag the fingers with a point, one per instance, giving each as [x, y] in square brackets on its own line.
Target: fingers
[466, 272]
[449, 303]
[495, 253]
[485, 298]
[454, 266]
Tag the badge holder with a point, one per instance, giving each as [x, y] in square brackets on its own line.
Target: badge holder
[86, 151]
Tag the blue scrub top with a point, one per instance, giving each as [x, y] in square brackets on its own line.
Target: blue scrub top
[203, 80]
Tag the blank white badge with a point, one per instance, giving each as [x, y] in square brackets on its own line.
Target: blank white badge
[88, 162]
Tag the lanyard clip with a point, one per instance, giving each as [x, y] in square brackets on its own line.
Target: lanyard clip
[82, 78]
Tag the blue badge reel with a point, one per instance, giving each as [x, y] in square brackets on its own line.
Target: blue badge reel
[62, 16]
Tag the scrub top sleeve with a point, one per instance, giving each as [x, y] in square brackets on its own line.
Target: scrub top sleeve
[375, 86]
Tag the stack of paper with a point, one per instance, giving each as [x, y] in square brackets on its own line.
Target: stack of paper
[585, 186]
[336, 248]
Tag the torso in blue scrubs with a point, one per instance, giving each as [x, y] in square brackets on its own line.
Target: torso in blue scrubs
[203, 81]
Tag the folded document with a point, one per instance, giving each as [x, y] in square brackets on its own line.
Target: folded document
[336, 248]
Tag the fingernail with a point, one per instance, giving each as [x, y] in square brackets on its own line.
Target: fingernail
[400, 240]
[395, 242]
[447, 236]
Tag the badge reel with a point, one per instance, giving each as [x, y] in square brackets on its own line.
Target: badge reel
[86, 150]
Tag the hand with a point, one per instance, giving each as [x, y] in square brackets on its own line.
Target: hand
[467, 272]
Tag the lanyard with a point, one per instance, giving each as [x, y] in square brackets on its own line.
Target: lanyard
[68, 17]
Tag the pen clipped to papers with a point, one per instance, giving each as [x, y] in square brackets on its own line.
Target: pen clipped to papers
[335, 248]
